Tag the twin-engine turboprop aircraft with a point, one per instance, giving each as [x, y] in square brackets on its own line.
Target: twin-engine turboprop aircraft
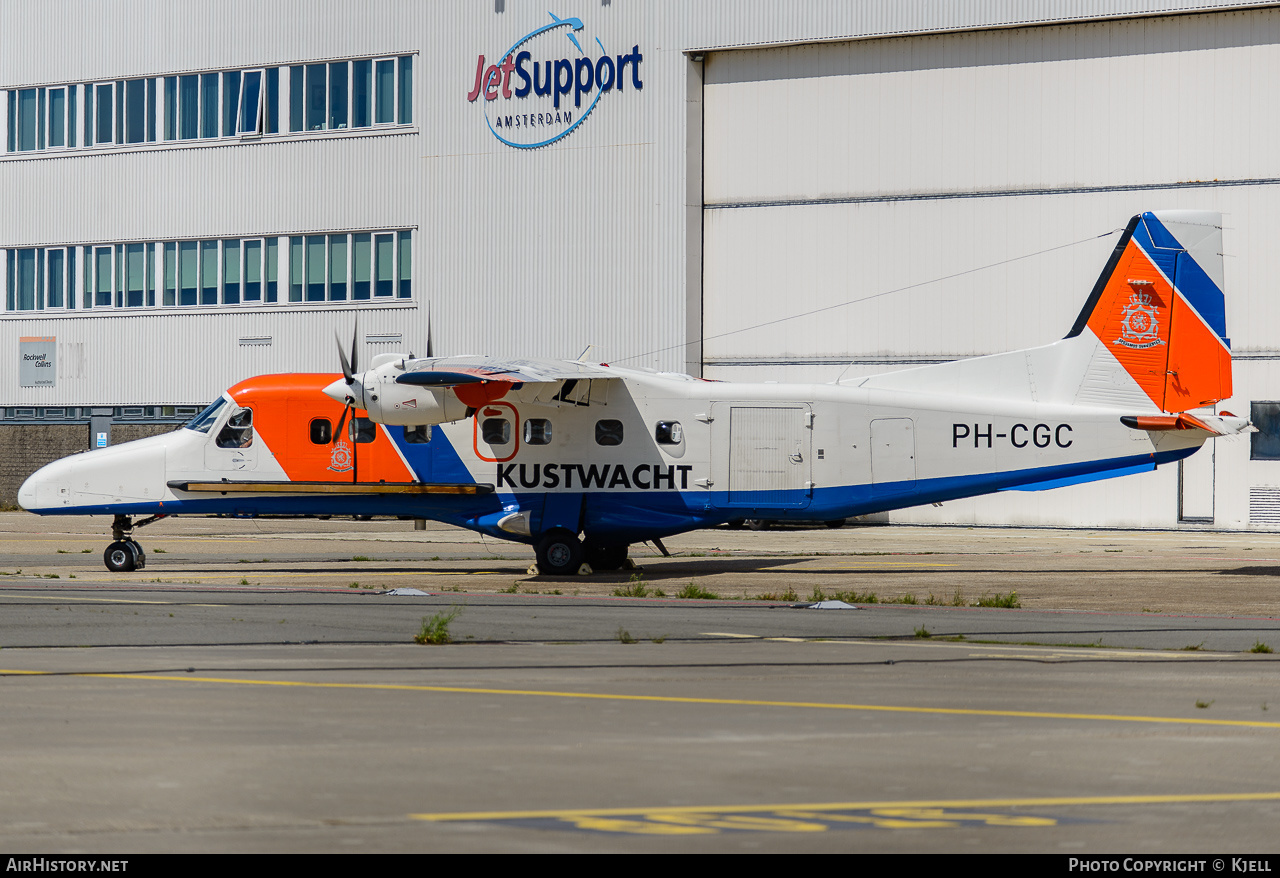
[580, 460]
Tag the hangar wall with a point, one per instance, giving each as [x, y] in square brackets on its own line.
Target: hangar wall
[969, 205]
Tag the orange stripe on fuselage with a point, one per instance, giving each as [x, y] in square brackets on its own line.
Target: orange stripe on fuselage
[284, 407]
[1162, 343]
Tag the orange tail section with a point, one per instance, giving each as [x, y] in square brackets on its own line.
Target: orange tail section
[1159, 309]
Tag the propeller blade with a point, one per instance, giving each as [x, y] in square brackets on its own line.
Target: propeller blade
[342, 357]
[430, 354]
[337, 434]
[355, 335]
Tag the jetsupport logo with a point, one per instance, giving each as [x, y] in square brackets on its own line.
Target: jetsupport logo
[528, 103]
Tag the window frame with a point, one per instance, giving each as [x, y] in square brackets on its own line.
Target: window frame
[195, 272]
[361, 93]
[1259, 419]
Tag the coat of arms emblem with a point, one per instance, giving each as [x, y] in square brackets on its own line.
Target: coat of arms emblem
[340, 459]
[1139, 323]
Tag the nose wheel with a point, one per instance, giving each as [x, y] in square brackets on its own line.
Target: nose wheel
[125, 554]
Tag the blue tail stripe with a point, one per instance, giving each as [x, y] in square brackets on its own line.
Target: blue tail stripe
[1191, 280]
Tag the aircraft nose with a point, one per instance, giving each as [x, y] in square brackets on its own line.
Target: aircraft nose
[27, 493]
[47, 487]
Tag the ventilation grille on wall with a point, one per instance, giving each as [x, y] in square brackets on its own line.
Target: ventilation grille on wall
[1264, 505]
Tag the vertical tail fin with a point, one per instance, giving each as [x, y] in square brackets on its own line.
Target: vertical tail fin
[1159, 309]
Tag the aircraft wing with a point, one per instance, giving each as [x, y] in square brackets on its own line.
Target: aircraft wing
[400, 390]
[455, 371]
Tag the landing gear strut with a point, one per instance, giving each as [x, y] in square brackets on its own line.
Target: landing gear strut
[125, 554]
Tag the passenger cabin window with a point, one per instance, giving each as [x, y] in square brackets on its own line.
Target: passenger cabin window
[669, 433]
[321, 431]
[608, 432]
[496, 431]
[419, 435]
[238, 431]
[363, 430]
[537, 431]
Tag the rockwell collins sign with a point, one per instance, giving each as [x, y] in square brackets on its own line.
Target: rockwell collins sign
[38, 358]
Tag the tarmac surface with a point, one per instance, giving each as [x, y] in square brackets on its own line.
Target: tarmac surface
[256, 688]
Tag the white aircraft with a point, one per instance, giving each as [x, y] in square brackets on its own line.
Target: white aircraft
[580, 460]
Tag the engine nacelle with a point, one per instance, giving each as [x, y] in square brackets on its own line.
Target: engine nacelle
[407, 405]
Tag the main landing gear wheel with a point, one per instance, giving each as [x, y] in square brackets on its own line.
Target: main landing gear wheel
[559, 553]
[606, 557]
[123, 556]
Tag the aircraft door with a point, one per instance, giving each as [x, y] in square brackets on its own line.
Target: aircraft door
[761, 455]
[893, 455]
[232, 448]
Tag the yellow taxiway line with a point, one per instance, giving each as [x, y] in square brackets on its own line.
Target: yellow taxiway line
[674, 699]
[791, 808]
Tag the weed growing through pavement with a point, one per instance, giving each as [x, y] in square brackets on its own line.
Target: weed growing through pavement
[1259, 646]
[624, 636]
[696, 592]
[635, 588]
[1006, 601]
[435, 629]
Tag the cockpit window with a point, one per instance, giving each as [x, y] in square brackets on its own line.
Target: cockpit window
[238, 431]
[203, 421]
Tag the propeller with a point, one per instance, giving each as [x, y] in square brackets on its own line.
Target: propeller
[349, 377]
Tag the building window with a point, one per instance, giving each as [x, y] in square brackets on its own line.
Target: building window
[224, 273]
[361, 93]
[1265, 444]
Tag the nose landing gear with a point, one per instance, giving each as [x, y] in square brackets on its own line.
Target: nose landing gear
[125, 554]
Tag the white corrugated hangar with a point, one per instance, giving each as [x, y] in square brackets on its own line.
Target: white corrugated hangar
[200, 192]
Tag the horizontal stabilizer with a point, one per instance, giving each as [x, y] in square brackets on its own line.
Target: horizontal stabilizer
[1214, 425]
